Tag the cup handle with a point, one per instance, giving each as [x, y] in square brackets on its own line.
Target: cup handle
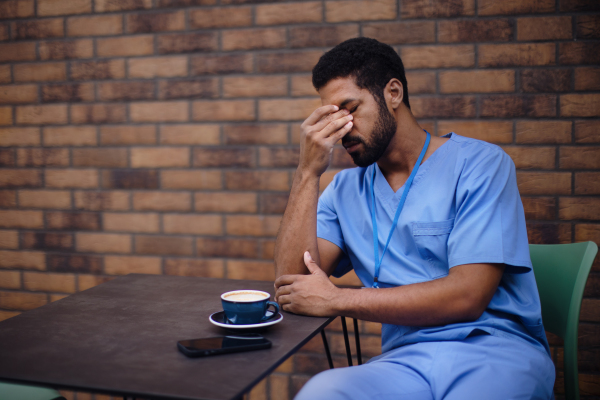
[271, 303]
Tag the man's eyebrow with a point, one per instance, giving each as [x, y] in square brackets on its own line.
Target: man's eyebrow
[345, 102]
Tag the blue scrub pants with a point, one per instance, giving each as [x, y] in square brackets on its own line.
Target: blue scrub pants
[479, 367]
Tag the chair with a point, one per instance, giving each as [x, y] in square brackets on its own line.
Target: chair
[12, 391]
[561, 271]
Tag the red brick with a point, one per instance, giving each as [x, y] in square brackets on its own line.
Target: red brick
[190, 134]
[572, 157]
[106, 157]
[398, 32]
[161, 22]
[585, 232]
[73, 220]
[167, 245]
[273, 203]
[579, 53]
[98, 113]
[22, 300]
[360, 10]
[539, 132]
[40, 29]
[587, 26]
[21, 219]
[473, 30]
[94, 70]
[443, 107]
[255, 86]
[586, 208]
[257, 180]
[287, 109]
[587, 131]
[506, 106]
[494, 132]
[191, 179]
[20, 178]
[7, 157]
[539, 208]
[6, 116]
[250, 225]
[127, 135]
[587, 183]
[36, 157]
[111, 91]
[17, 52]
[508, 7]
[149, 157]
[195, 267]
[234, 248]
[9, 239]
[533, 80]
[544, 28]
[224, 157]
[5, 74]
[544, 183]
[126, 179]
[85, 282]
[223, 110]
[268, 249]
[477, 81]
[228, 202]
[131, 222]
[44, 199]
[249, 39]
[99, 25]
[220, 17]
[71, 178]
[8, 198]
[587, 78]
[19, 136]
[173, 111]
[279, 157]
[63, 7]
[74, 263]
[162, 201]
[252, 270]
[187, 42]
[301, 61]
[291, 13]
[47, 241]
[42, 115]
[55, 71]
[22, 260]
[60, 50]
[580, 105]
[4, 35]
[101, 200]
[255, 134]
[193, 224]
[532, 157]
[17, 9]
[125, 46]
[438, 56]
[10, 279]
[194, 88]
[103, 243]
[123, 265]
[508, 55]
[302, 86]
[121, 5]
[70, 136]
[68, 92]
[548, 233]
[222, 64]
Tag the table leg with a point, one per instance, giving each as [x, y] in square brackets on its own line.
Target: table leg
[329, 360]
[346, 341]
[357, 340]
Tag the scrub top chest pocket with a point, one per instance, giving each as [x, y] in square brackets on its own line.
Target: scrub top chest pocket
[431, 239]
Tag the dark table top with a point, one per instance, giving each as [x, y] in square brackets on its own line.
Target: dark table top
[120, 338]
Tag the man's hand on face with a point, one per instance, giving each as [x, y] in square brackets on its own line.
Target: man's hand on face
[320, 132]
[307, 294]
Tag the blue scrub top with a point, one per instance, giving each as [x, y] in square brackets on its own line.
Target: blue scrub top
[463, 208]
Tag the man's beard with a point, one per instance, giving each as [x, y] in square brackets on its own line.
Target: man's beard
[382, 134]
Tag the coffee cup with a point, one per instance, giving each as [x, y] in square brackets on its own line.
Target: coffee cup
[247, 307]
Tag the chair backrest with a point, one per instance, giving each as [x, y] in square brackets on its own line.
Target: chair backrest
[561, 271]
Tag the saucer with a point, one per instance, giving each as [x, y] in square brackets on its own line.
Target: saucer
[219, 319]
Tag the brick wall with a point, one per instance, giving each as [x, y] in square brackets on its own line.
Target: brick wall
[160, 136]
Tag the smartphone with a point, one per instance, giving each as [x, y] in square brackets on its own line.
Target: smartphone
[223, 344]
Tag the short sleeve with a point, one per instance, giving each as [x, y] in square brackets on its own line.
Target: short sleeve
[328, 228]
[489, 225]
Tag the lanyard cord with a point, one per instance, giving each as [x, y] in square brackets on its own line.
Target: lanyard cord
[398, 210]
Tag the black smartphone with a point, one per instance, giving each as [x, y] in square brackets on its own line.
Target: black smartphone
[222, 344]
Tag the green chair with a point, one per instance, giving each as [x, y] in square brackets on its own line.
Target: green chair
[12, 391]
[561, 271]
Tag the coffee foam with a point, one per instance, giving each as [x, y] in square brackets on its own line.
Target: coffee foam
[245, 296]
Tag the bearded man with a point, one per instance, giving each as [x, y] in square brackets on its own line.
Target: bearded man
[434, 228]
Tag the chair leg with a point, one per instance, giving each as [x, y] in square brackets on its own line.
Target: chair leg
[346, 341]
[329, 360]
[357, 340]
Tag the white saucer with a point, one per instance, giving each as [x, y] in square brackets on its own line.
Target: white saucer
[219, 319]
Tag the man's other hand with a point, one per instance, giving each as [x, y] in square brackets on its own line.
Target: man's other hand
[312, 294]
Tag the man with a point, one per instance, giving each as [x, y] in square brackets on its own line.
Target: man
[433, 227]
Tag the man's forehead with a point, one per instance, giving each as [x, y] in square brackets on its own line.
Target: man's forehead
[341, 90]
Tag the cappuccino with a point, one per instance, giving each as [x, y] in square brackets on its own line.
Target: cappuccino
[245, 296]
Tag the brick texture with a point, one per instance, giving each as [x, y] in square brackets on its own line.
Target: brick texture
[161, 136]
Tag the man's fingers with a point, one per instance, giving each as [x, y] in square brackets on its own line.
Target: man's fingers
[327, 123]
[340, 133]
[320, 113]
[282, 291]
[285, 280]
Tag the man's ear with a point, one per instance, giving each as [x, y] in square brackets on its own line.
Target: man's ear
[394, 92]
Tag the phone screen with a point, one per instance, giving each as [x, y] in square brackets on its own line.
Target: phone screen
[222, 344]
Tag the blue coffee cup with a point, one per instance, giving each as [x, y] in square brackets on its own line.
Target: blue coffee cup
[247, 307]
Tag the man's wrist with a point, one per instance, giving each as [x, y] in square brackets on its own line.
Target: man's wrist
[305, 175]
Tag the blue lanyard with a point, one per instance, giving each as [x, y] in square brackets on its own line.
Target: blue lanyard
[398, 210]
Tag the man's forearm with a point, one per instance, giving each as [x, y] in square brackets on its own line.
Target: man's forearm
[298, 230]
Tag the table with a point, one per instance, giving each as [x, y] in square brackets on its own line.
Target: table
[120, 338]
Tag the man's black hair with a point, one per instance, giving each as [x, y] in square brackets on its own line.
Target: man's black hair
[371, 63]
